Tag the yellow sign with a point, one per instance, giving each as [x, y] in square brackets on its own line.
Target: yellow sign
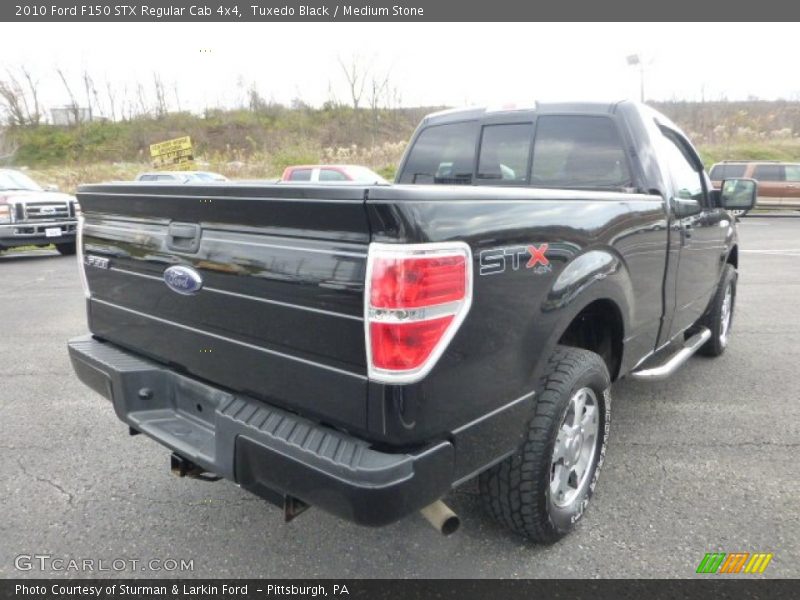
[176, 154]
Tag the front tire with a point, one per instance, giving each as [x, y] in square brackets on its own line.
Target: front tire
[542, 491]
[66, 249]
[719, 318]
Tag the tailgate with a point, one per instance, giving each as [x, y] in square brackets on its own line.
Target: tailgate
[279, 315]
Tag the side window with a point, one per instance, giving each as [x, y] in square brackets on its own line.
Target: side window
[505, 151]
[579, 152]
[686, 180]
[300, 175]
[792, 172]
[147, 178]
[165, 178]
[768, 173]
[720, 172]
[331, 175]
[442, 154]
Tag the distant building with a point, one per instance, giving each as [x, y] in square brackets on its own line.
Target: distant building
[66, 115]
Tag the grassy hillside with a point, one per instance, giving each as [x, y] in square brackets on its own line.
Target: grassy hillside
[257, 144]
[739, 130]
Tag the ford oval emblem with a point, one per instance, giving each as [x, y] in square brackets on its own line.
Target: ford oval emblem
[184, 280]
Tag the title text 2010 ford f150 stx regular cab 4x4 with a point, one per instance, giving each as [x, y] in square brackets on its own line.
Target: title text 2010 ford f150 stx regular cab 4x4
[366, 349]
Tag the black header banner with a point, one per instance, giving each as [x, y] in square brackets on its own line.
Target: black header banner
[388, 589]
[394, 10]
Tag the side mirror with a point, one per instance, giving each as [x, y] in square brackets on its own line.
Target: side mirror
[738, 194]
[51, 187]
[686, 207]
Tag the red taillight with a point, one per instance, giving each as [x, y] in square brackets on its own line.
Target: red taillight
[416, 298]
[403, 346]
[415, 282]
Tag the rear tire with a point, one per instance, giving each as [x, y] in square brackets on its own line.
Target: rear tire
[719, 318]
[542, 491]
[66, 249]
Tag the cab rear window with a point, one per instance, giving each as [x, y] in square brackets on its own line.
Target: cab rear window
[579, 152]
[570, 151]
[443, 154]
[505, 153]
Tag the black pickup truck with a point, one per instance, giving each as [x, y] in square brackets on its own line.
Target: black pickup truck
[366, 349]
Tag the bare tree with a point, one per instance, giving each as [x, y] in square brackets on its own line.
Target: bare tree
[92, 96]
[34, 117]
[379, 86]
[112, 100]
[19, 97]
[73, 102]
[161, 96]
[142, 101]
[87, 87]
[177, 96]
[13, 100]
[333, 100]
[355, 73]
[255, 101]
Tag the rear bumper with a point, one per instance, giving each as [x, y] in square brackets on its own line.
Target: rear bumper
[265, 449]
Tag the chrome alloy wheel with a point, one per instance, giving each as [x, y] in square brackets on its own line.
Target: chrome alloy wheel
[726, 314]
[575, 447]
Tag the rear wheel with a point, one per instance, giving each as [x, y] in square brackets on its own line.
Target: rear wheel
[719, 318]
[66, 249]
[542, 491]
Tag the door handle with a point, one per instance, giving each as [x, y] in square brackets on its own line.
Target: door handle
[182, 230]
[184, 237]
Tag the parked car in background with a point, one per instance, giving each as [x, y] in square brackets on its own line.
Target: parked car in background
[33, 215]
[331, 174]
[181, 176]
[778, 182]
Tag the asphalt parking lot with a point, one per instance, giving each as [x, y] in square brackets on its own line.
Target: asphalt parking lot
[706, 461]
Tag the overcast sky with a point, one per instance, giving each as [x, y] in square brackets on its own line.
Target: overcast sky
[430, 63]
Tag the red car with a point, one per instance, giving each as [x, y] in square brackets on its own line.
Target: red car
[331, 173]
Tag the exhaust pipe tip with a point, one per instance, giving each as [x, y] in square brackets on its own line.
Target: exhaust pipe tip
[451, 525]
[441, 517]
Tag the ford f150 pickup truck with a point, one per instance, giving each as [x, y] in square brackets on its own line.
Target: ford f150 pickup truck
[366, 349]
[33, 216]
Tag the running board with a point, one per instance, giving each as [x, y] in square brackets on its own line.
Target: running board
[675, 361]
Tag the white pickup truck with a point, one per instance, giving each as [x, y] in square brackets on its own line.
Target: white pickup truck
[31, 215]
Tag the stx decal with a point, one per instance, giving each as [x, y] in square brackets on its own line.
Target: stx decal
[498, 260]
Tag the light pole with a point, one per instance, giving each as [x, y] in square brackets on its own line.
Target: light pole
[633, 61]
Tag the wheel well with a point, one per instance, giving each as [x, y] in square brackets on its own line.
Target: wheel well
[599, 328]
[733, 257]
